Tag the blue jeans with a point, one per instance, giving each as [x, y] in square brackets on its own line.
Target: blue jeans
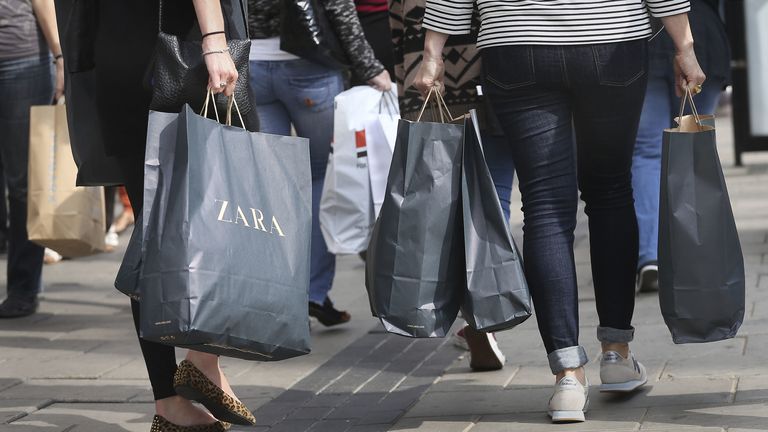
[300, 93]
[660, 107]
[498, 157]
[544, 97]
[23, 82]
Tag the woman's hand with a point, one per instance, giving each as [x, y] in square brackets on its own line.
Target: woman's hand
[381, 82]
[222, 74]
[430, 74]
[688, 73]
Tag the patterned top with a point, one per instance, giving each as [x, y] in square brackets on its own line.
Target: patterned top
[264, 22]
[462, 62]
[550, 22]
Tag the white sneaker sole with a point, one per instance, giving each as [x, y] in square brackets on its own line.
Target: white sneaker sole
[566, 416]
[624, 387]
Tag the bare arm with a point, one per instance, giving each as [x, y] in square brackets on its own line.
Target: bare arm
[688, 73]
[431, 70]
[46, 19]
[221, 68]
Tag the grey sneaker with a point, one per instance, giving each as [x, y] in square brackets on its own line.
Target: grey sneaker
[648, 277]
[569, 401]
[619, 374]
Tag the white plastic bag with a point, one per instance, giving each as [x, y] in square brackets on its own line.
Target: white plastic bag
[346, 207]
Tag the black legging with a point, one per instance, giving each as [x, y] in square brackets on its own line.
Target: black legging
[160, 359]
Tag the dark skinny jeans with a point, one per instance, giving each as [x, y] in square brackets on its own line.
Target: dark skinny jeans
[570, 115]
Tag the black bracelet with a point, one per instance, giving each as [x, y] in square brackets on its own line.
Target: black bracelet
[57, 57]
[212, 33]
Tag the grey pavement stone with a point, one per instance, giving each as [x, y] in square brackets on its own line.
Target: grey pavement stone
[448, 423]
[599, 420]
[6, 383]
[684, 391]
[752, 416]
[752, 388]
[331, 426]
[76, 390]
[93, 417]
[13, 409]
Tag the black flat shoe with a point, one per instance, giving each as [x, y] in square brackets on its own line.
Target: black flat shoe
[327, 314]
[161, 424]
[14, 307]
[192, 384]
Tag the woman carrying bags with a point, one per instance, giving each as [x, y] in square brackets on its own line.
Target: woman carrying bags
[118, 47]
[554, 71]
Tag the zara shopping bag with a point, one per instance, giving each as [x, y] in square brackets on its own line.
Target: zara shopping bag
[701, 266]
[60, 215]
[225, 262]
[414, 270]
[497, 296]
[346, 208]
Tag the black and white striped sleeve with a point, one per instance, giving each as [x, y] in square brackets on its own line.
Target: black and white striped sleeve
[664, 8]
[449, 16]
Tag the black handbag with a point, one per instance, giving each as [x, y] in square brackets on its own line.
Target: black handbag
[180, 75]
[306, 32]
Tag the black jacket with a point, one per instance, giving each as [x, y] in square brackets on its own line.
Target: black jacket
[108, 48]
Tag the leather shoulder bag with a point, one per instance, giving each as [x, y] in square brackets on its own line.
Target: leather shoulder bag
[180, 75]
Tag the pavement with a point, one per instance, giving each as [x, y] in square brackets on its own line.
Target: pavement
[76, 366]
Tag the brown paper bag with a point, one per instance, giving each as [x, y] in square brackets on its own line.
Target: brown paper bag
[60, 216]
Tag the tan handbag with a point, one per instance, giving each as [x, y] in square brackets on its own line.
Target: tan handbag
[60, 215]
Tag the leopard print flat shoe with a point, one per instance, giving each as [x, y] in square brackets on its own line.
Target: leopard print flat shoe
[192, 384]
[160, 424]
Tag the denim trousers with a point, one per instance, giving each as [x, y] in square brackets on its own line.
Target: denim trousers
[570, 115]
[660, 107]
[300, 93]
[498, 157]
[24, 82]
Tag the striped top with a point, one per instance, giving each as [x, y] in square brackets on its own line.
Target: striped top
[550, 22]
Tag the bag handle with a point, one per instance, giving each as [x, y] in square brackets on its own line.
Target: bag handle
[688, 97]
[204, 110]
[231, 102]
[388, 100]
[439, 102]
[242, 10]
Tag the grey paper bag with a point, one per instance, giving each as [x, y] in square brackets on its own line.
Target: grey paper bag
[497, 296]
[226, 243]
[414, 270]
[161, 127]
[701, 266]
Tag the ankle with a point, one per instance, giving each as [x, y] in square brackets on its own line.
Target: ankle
[621, 348]
[577, 373]
[203, 361]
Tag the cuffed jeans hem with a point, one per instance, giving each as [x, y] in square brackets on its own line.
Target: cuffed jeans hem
[567, 358]
[612, 335]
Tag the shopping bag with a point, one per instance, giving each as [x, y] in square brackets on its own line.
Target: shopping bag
[225, 254]
[414, 271]
[161, 127]
[346, 210]
[127, 279]
[497, 296]
[381, 132]
[701, 266]
[60, 215]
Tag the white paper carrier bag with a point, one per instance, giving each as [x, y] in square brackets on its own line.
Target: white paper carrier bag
[347, 205]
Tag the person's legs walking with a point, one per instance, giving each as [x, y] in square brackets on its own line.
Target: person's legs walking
[535, 114]
[23, 83]
[606, 118]
[307, 91]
